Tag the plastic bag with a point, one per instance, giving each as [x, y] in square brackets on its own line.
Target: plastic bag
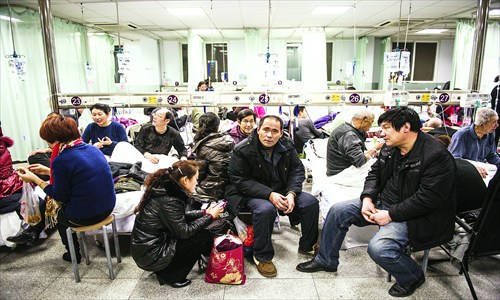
[241, 228]
[29, 205]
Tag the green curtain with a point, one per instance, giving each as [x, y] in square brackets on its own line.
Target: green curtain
[71, 55]
[462, 54]
[23, 101]
[359, 75]
[491, 57]
[384, 72]
[103, 64]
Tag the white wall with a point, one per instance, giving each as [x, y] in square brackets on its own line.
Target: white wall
[444, 61]
[343, 51]
[236, 62]
[144, 75]
[172, 62]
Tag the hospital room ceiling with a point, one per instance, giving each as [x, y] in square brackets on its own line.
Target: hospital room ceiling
[222, 20]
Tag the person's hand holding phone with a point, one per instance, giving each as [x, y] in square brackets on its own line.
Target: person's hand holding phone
[216, 210]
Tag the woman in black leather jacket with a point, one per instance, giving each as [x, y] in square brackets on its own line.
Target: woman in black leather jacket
[167, 239]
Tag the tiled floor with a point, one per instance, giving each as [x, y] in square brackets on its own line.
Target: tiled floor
[38, 272]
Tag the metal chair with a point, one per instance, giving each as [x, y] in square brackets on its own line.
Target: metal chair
[99, 226]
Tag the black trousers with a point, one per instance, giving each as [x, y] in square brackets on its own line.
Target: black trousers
[187, 252]
[43, 159]
[63, 222]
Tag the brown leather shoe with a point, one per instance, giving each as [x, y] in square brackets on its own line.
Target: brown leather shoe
[266, 268]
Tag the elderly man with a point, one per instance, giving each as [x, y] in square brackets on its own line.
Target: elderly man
[408, 193]
[346, 144]
[266, 176]
[477, 141]
[246, 122]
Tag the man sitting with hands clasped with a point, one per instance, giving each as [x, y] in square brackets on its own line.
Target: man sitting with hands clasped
[408, 193]
[266, 175]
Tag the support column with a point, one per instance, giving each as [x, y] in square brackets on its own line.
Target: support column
[478, 45]
[50, 52]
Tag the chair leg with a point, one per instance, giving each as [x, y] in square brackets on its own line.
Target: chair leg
[469, 282]
[85, 248]
[108, 252]
[117, 244]
[71, 247]
[425, 260]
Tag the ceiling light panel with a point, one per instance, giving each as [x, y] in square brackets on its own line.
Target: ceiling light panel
[330, 10]
[431, 31]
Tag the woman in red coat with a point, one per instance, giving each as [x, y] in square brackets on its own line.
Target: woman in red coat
[10, 183]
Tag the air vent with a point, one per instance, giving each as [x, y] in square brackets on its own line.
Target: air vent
[404, 22]
[383, 24]
[133, 26]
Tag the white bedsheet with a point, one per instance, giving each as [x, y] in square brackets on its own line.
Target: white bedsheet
[346, 185]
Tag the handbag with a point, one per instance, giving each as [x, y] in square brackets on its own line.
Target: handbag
[226, 262]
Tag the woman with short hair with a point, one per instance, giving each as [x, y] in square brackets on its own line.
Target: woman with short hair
[103, 133]
[80, 179]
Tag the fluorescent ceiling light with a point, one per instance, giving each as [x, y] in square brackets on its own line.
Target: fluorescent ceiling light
[330, 10]
[431, 31]
[191, 11]
[205, 31]
[8, 18]
[494, 13]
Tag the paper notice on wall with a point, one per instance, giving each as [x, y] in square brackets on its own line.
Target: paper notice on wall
[123, 63]
[391, 61]
[405, 62]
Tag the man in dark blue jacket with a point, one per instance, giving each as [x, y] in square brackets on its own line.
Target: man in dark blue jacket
[266, 176]
[408, 193]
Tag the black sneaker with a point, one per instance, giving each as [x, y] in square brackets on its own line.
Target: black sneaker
[27, 237]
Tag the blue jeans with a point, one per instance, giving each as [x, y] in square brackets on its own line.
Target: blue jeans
[387, 248]
[263, 214]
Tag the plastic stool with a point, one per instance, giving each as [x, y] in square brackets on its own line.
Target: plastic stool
[81, 230]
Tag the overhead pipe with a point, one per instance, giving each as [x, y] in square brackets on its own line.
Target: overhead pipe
[476, 65]
[50, 52]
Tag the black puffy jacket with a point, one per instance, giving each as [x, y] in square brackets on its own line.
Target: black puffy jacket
[251, 176]
[213, 153]
[161, 222]
[426, 191]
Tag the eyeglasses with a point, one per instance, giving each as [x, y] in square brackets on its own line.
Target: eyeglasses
[248, 121]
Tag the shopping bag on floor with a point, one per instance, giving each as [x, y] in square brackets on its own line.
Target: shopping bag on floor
[226, 262]
[29, 205]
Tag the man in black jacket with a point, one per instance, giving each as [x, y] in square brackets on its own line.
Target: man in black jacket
[408, 193]
[266, 176]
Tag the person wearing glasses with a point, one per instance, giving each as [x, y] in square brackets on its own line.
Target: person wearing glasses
[246, 121]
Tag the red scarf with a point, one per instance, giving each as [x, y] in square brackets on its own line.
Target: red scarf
[58, 148]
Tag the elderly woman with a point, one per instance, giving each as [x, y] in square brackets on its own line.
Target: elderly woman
[477, 141]
[103, 133]
[167, 239]
[159, 137]
[213, 151]
[80, 179]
